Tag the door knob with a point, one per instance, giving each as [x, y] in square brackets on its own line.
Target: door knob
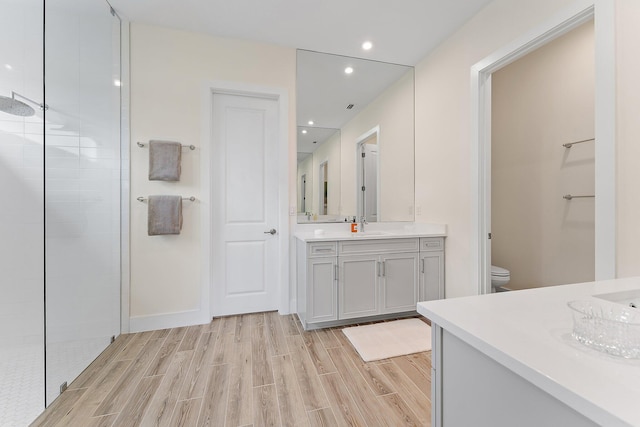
[272, 231]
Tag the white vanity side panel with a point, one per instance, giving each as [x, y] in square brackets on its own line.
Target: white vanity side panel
[478, 391]
[436, 377]
[301, 278]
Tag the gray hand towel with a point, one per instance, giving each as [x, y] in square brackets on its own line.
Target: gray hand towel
[165, 215]
[164, 161]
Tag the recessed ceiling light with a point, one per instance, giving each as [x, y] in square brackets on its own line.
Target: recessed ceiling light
[304, 131]
[367, 45]
[348, 70]
[8, 67]
[310, 122]
[117, 83]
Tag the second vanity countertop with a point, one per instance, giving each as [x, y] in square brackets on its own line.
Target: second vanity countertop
[340, 231]
[529, 332]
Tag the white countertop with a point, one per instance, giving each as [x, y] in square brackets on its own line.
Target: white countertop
[529, 332]
[341, 231]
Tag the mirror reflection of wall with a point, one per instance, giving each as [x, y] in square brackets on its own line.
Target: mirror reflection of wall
[375, 95]
[315, 147]
[367, 173]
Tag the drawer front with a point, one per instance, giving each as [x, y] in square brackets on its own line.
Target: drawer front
[431, 244]
[382, 246]
[321, 249]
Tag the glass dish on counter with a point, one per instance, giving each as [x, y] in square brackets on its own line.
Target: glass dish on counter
[611, 329]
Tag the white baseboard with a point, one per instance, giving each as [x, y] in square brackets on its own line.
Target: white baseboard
[293, 306]
[168, 320]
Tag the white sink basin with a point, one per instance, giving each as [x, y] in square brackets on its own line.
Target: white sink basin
[627, 298]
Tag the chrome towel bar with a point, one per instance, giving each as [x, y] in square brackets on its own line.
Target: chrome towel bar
[569, 197]
[143, 199]
[569, 144]
[190, 147]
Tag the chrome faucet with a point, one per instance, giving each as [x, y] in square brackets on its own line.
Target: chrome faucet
[363, 221]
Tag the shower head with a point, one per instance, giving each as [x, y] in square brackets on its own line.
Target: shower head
[15, 107]
[18, 108]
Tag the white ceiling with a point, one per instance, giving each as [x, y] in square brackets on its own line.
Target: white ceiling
[323, 92]
[402, 31]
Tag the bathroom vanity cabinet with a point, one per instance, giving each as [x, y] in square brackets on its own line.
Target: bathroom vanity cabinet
[341, 281]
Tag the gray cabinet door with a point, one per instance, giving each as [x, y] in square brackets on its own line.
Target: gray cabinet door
[358, 286]
[431, 276]
[322, 301]
[399, 284]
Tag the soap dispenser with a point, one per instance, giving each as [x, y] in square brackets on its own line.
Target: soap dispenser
[354, 226]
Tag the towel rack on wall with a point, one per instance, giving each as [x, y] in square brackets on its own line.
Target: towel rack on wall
[190, 147]
[569, 197]
[143, 199]
[569, 144]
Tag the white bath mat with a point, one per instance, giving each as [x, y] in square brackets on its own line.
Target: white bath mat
[390, 339]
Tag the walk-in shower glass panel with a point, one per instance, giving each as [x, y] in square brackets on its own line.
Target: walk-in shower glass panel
[82, 186]
[21, 217]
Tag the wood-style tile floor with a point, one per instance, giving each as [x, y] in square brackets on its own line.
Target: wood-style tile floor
[252, 370]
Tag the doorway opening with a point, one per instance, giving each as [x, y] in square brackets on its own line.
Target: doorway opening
[481, 73]
[540, 104]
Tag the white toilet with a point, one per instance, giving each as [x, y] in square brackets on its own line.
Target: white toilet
[499, 277]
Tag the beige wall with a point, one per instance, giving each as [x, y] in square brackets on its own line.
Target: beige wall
[443, 151]
[168, 72]
[443, 125]
[393, 112]
[327, 152]
[169, 66]
[538, 103]
[628, 137]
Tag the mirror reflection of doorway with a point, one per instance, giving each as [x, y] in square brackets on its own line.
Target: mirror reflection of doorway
[324, 195]
[303, 193]
[367, 149]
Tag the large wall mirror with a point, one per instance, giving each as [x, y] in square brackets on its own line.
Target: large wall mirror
[355, 123]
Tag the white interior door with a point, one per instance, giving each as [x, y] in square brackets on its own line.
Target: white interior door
[245, 204]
